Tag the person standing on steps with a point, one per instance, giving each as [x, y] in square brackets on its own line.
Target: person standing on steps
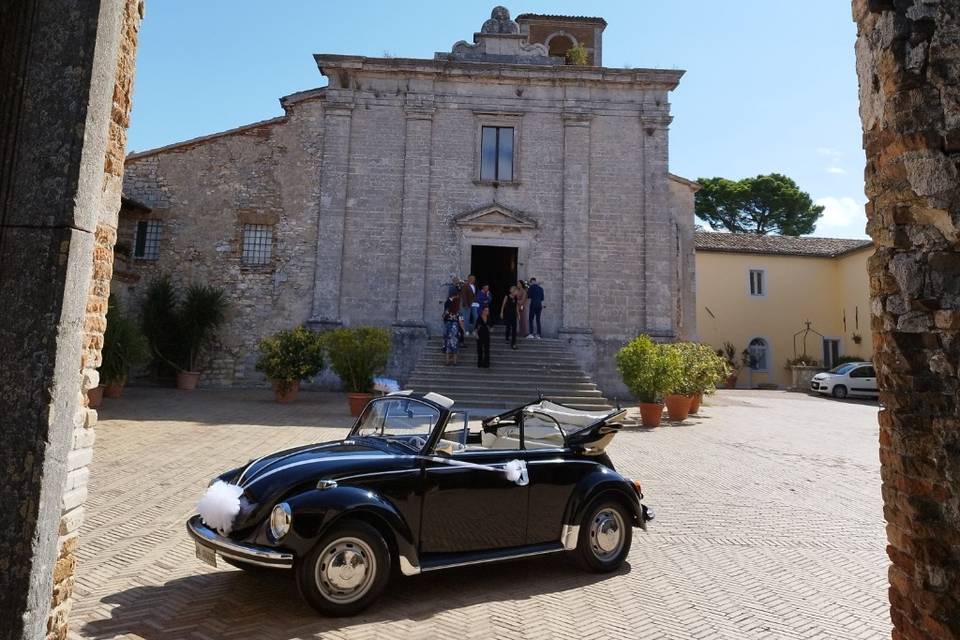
[483, 338]
[484, 298]
[508, 312]
[522, 308]
[451, 327]
[469, 307]
[536, 305]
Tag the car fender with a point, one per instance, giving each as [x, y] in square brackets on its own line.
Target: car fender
[317, 511]
[591, 486]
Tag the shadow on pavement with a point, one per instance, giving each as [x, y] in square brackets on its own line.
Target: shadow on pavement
[228, 407]
[266, 605]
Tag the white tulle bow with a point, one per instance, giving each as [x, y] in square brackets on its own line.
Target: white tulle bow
[220, 505]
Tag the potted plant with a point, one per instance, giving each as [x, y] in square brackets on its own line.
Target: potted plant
[680, 394]
[356, 355]
[180, 329]
[287, 357]
[709, 371]
[729, 355]
[124, 346]
[648, 370]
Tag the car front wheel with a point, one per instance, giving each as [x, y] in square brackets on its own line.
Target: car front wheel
[345, 571]
[605, 536]
[840, 391]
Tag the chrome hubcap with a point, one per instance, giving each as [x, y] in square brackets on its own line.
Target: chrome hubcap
[345, 570]
[606, 534]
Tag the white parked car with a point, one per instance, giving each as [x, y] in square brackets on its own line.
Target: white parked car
[851, 378]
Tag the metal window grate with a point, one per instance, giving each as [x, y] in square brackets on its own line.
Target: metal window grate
[147, 241]
[257, 243]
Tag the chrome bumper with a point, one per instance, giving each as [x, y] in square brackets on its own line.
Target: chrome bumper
[250, 553]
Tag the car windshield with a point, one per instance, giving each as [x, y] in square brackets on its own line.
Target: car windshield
[843, 369]
[404, 421]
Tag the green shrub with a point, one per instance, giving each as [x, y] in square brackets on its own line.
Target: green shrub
[180, 327]
[701, 369]
[802, 361]
[357, 355]
[648, 369]
[124, 347]
[577, 55]
[290, 356]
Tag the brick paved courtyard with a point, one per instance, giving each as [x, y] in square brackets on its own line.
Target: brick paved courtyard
[768, 525]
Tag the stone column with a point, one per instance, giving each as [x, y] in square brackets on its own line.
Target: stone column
[65, 66]
[908, 63]
[659, 236]
[576, 223]
[411, 278]
[333, 209]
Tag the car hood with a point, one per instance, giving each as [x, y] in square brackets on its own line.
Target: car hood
[269, 479]
[823, 376]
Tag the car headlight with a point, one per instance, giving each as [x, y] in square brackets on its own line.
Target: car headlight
[280, 520]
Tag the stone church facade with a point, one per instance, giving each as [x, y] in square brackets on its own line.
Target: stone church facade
[357, 205]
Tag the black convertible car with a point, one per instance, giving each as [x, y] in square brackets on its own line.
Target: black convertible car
[418, 487]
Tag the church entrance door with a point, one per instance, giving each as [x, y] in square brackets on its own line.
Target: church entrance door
[497, 267]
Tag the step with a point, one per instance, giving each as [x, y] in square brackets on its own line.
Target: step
[454, 390]
[491, 379]
[517, 399]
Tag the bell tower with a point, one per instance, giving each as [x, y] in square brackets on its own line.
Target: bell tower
[560, 33]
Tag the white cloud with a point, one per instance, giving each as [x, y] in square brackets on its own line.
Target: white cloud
[834, 157]
[843, 217]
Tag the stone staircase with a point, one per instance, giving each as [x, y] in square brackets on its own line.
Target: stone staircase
[538, 366]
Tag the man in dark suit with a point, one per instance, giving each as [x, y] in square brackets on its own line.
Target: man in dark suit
[535, 302]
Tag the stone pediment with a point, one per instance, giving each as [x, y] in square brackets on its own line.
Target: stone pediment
[495, 217]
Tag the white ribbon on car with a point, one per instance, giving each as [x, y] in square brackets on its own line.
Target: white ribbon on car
[515, 470]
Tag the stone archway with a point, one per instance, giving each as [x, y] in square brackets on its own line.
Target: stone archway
[908, 62]
[63, 117]
[59, 238]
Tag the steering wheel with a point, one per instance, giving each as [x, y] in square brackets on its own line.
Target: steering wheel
[418, 442]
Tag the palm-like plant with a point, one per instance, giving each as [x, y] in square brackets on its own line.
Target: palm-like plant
[179, 329]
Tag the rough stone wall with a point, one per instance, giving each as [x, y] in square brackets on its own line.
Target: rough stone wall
[682, 198]
[908, 62]
[203, 193]
[81, 449]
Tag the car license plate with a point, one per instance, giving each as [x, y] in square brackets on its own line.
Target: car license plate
[206, 554]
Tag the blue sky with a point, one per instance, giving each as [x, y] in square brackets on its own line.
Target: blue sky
[770, 85]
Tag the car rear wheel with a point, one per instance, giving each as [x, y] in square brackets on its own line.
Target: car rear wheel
[840, 391]
[345, 571]
[605, 536]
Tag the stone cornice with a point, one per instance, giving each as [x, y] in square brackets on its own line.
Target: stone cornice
[337, 65]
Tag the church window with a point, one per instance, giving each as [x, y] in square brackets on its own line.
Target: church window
[496, 154]
[257, 244]
[146, 244]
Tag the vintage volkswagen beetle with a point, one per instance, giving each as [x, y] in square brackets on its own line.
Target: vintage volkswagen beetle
[418, 487]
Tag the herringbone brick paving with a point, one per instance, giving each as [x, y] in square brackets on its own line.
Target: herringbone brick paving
[769, 525]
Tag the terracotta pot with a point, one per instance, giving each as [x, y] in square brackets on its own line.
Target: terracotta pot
[358, 401]
[651, 413]
[695, 402]
[678, 407]
[286, 390]
[187, 380]
[112, 390]
[95, 397]
[731, 381]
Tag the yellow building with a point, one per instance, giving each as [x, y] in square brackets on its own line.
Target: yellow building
[758, 293]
